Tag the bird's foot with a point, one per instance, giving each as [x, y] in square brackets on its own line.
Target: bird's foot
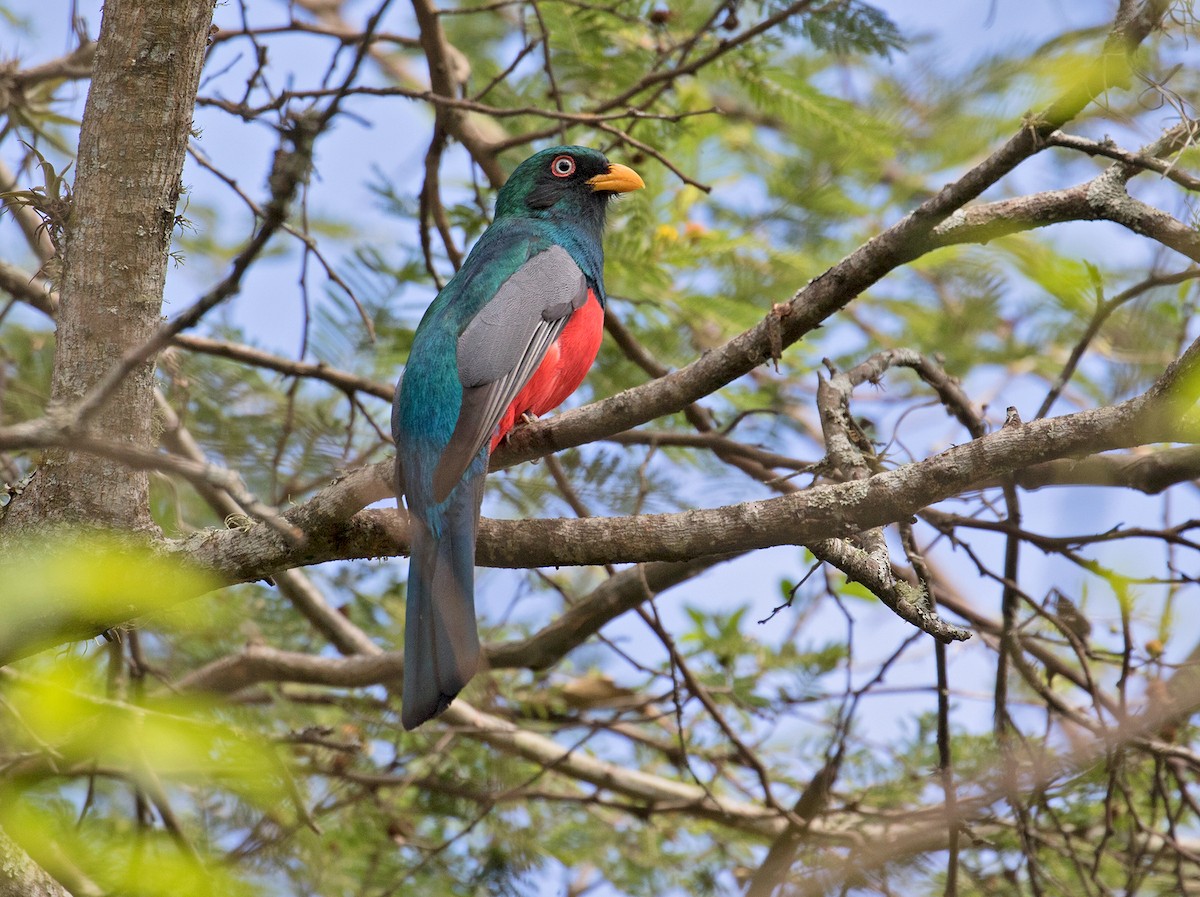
[526, 418]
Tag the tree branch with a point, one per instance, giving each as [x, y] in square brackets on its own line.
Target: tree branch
[448, 70]
[808, 516]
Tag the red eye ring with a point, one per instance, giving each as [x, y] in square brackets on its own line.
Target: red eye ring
[562, 166]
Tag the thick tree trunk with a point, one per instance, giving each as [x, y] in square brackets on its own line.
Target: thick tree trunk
[131, 150]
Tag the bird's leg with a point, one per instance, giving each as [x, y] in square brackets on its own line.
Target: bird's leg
[526, 418]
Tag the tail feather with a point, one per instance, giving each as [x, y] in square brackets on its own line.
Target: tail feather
[441, 644]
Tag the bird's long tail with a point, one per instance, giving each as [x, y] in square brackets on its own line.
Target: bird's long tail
[441, 645]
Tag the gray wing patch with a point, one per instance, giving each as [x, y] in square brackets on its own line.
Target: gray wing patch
[482, 408]
[546, 288]
[502, 347]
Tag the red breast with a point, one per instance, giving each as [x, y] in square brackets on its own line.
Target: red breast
[562, 370]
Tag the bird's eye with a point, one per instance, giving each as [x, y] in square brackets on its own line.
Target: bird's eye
[562, 166]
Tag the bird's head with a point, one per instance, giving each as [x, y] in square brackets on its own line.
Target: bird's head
[568, 183]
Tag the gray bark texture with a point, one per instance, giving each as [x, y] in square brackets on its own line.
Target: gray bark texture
[131, 149]
[22, 877]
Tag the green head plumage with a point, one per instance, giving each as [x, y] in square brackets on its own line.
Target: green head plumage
[569, 185]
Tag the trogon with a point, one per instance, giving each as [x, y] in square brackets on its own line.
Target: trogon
[512, 334]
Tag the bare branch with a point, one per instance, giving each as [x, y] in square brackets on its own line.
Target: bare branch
[343, 380]
[73, 66]
[801, 518]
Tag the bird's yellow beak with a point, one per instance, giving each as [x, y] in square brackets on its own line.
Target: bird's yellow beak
[618, 179]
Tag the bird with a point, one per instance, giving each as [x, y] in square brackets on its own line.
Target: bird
[509, 337]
